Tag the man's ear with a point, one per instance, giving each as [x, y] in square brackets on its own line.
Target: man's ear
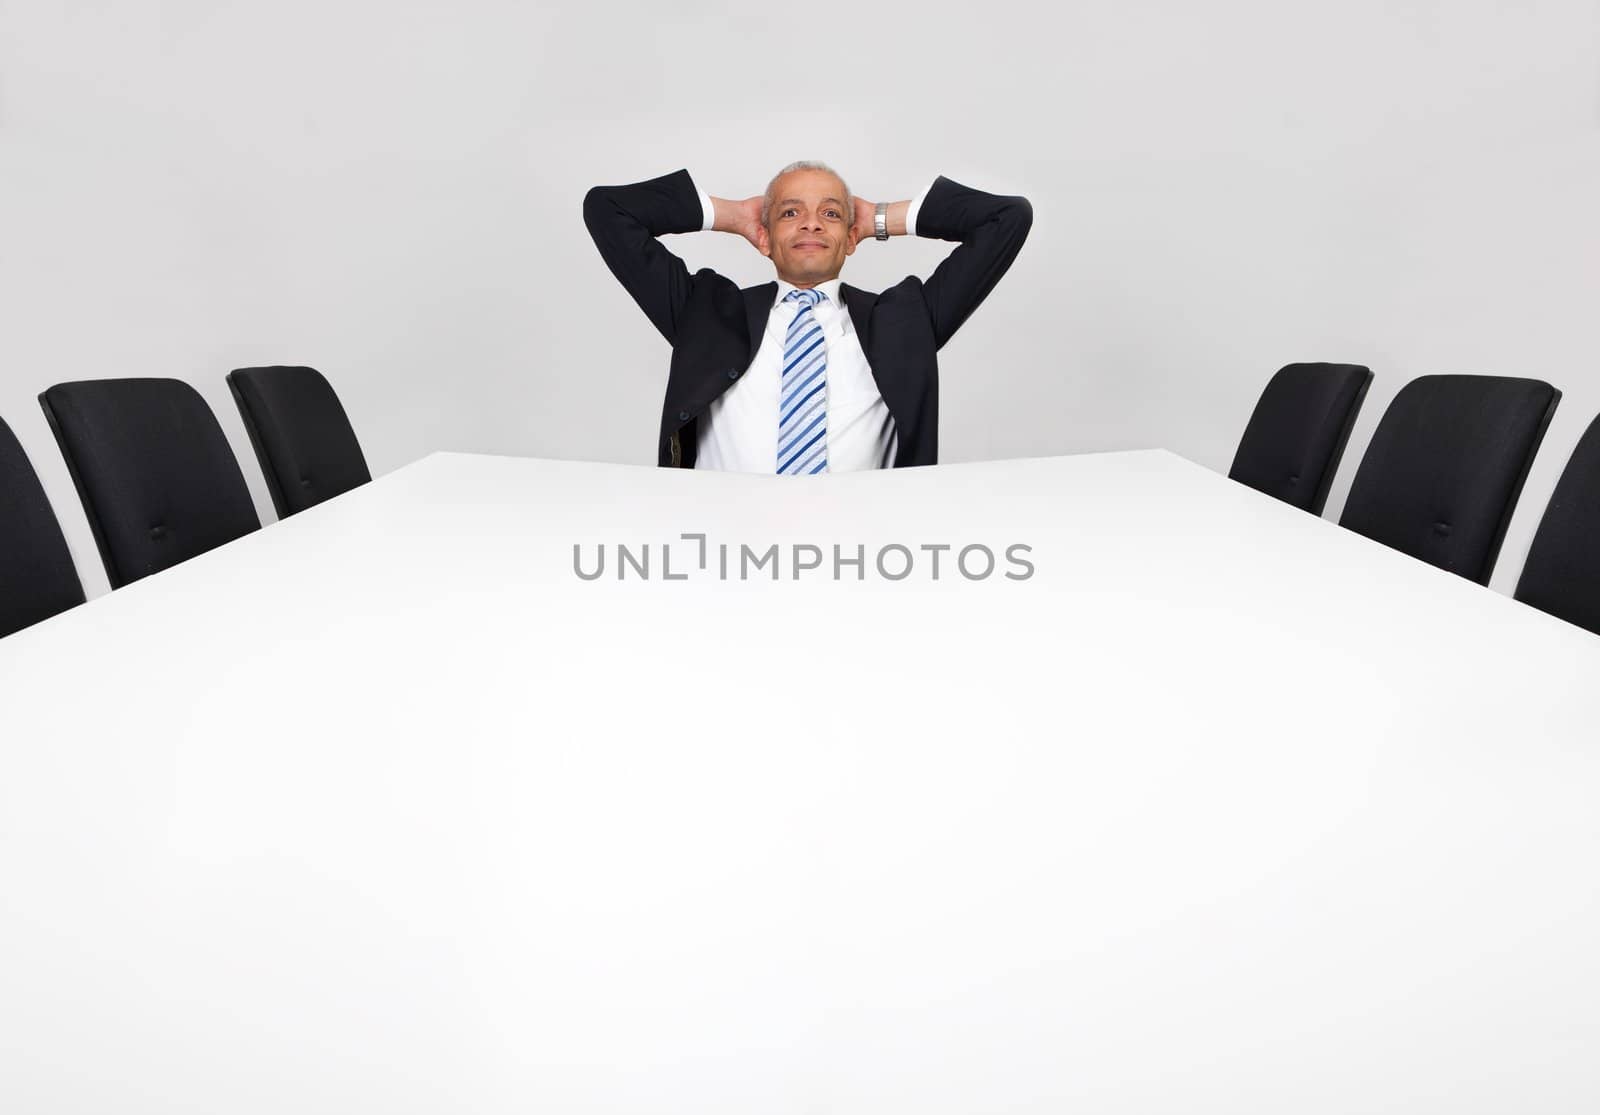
[850, 241]
[763, 241]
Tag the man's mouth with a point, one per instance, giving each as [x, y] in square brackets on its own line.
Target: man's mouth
[804, 245]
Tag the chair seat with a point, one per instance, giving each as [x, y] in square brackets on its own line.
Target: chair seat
[1562, 573]
[37, 577]
[1446, 466]
[154, 472]
[1296, 436]
[301, 434]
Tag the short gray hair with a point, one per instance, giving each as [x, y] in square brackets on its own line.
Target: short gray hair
[807, 164]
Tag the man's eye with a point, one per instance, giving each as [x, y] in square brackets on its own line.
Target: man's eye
[788, 212]
[834, 213]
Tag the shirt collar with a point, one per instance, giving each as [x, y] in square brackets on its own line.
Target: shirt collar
[830, 288]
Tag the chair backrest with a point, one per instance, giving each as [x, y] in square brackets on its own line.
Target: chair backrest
[301, 435]
[1442, 474]
[155, 474]
[37, 577]
[1296, 436]
[1562, 573]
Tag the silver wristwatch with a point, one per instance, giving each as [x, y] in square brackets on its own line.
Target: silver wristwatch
[880, 221]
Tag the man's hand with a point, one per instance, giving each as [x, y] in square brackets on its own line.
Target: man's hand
[741, 217]
[862, 228]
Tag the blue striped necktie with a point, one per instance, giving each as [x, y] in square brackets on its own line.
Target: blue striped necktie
[803, 402]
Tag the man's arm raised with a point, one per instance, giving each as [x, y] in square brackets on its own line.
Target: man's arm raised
[989, 229]
[625, 221]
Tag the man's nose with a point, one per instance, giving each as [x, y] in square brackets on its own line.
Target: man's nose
[812, 222]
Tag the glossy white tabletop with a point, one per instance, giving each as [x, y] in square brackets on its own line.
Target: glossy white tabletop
[1221, 809]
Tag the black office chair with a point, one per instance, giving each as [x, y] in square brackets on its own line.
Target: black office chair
[1296, 436]
[37, 578]
[300, 433]
[1562, 573]
[1442, 474]
[155, 474]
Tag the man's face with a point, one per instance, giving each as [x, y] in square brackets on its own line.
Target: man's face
[808, 230]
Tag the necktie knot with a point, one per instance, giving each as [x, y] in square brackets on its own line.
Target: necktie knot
[805, 297]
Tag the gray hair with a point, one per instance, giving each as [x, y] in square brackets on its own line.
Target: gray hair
[807, 164]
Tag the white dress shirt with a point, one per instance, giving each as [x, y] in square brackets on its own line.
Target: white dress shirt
[739, 432]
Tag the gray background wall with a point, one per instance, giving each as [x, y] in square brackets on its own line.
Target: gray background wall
[390, 192]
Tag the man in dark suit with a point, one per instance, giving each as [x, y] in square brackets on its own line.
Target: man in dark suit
[803, 375]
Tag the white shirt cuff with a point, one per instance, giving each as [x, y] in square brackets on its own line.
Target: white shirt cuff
[911, 211]
[707, 208]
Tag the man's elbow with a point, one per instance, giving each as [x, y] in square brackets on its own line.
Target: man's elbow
[1019, 216]
[597, 204]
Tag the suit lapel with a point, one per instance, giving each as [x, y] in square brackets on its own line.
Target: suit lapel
[859, 303]
[757, 308]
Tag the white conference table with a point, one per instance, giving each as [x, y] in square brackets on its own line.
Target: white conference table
[1223, 809]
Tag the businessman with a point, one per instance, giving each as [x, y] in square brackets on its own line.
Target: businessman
[803, 375]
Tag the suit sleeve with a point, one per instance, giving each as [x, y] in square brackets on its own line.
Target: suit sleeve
[625, 221]
[989, 230]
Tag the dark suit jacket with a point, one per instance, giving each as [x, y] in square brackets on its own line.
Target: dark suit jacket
[714, 327]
